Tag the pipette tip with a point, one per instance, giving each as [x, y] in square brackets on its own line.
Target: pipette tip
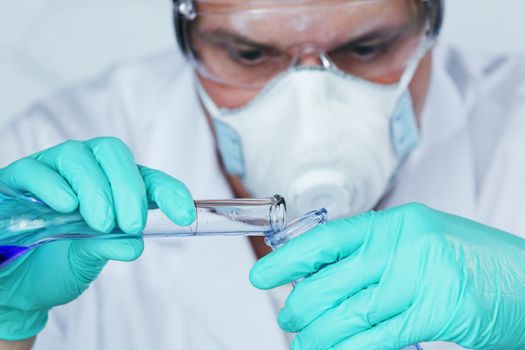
[297, 228]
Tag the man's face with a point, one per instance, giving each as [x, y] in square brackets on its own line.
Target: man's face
[371, 39]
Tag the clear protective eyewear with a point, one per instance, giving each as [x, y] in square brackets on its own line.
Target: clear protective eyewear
[248, 43]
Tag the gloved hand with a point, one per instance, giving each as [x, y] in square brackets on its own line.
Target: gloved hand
[101, 179]
[385, 280]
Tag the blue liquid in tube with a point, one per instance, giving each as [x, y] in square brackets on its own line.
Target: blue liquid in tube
[8, 253]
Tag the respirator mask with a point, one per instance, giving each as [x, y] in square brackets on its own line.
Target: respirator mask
[331, 134]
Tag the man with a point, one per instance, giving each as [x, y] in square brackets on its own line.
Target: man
[343, 104]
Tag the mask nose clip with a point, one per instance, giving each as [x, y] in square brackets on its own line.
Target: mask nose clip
[309, 55]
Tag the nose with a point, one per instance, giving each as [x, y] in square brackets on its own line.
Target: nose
[308, 56]
[309, 60]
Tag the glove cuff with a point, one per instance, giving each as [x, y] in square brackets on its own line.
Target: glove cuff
[16, 325]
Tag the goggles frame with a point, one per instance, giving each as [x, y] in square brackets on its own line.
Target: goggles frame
[185, 11]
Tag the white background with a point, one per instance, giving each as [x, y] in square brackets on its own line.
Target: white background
[49, 44]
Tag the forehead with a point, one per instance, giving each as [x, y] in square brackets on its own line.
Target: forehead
[273, 2]
[289, 22]
[239, 5]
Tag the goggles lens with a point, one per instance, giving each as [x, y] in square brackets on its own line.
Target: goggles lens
[248, 46]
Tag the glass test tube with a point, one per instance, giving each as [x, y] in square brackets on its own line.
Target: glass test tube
[27, 223]
[231, 217]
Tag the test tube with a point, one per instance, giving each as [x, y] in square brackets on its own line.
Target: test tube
[27, 223]
[231, 217]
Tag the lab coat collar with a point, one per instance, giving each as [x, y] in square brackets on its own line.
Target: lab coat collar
[450, 97]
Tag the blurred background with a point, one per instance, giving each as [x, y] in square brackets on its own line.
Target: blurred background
[48, 44]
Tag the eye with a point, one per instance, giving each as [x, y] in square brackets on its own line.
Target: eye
[248, 55]
[364, 51]
[251, 55]
[368, 51]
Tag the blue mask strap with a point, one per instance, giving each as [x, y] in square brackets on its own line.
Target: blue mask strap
[403, 127]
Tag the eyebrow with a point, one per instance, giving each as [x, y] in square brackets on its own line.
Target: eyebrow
[233, 37]
[387, 32]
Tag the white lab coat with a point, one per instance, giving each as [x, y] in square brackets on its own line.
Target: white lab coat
[194, 293]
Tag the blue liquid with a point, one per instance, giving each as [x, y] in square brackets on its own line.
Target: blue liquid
[10, 252]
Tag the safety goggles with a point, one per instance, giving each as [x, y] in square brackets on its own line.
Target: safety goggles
[248, 43]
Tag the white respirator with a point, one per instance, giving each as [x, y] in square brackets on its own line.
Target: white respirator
[320, 138]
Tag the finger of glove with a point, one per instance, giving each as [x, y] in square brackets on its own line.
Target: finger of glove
[337, 324]
[171, 195]
[88, 257]
[30, 175]
[127, 187]
[325, 290]
[387, 335]
[310, 252]
[74, 161]
[393, 264]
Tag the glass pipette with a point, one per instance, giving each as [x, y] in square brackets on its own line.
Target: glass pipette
[26, 223]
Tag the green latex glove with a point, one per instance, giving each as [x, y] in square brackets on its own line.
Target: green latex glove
[385, 280]
[100, 178]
